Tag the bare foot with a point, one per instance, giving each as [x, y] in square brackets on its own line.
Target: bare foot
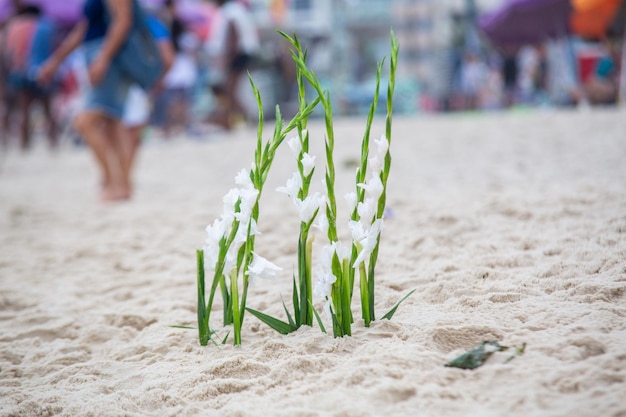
[111, 194]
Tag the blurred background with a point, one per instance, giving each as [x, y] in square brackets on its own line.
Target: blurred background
[455, 55]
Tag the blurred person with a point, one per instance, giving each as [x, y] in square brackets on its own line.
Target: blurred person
[474, 75]
[29, 38]
[138, 103]
[101, 32]
[510, 73]
[602, 87]
[7, 96]
[173, 104]
[234, 44]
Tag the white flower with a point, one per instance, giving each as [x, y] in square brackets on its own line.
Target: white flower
[321, 222]
[261, 268]
[308, 163]
[243, 179]
[367, 210]
[324, 284]
[351, 199]
[381, 146]
[329, 251]
[293, 186]
[374, 165]
[215, 233]
[248, 198]
[308, 207]
[230, 200]
[369, 241]
[295, 144]
[373, 187]
[357, 230]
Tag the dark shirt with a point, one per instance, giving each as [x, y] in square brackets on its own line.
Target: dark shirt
[95, 13]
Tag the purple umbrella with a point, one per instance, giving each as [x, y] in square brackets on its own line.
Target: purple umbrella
[66, 12]
[523, 22]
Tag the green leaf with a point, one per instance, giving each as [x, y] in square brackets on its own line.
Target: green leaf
[296, 303]
[203, 322]
[391, 312]
[225, 338]
[318, 318]
[278, 325]
[476, 356]
[174, 326]
[291, 322]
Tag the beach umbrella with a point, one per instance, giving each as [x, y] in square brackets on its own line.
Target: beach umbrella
[522, 22]
[593, 19]
[65, 12]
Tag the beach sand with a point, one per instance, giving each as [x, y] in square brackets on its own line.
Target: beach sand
[510, 226]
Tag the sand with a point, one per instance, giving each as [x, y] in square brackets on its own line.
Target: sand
[510, 226]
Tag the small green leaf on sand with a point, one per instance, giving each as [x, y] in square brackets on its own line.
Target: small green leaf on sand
[476, 356]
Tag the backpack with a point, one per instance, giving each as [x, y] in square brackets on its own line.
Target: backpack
[139, 57]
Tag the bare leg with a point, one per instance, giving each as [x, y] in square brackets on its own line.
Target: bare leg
[236, 107]
[131, 140]
[53, 137]
[25, 101]
[100, 132]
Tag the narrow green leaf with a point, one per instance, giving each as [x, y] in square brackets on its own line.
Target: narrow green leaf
[318, 318]
[225, 338]
[391, 312]
[174, 326]
[296, 303]
[203, 325]
[291, 322]
[278, 325]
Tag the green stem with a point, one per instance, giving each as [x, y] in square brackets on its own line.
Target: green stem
[234, 293]
[203, 323]
[365, 296]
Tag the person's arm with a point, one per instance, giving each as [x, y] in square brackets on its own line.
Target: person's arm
[121, 13]
[69, 44]
[166, 49]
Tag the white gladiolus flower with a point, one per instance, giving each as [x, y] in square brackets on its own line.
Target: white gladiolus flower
[324, 284]
[230, 262]
[321, 222]
[295, 144]
[373, 187]
[293, 186]
[374, 165]
[230, 200]
[368, 243]
[262, 268]
[308, 163]
[248, 200]
[367, 210]
[308, 206]
[215, 233]
[243, 179]
[357, 230]
[351, 199]
[381, 146]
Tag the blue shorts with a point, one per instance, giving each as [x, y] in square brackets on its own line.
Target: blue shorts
[109, 96]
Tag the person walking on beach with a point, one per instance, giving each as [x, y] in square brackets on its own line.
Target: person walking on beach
[29, 36]
[233, 46]
[138, 103]
[101, 32]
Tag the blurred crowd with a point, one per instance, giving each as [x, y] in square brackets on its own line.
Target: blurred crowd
[214, 42]
[555, 73]
[212, 45]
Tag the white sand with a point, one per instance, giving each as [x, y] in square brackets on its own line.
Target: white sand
[510, 226]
